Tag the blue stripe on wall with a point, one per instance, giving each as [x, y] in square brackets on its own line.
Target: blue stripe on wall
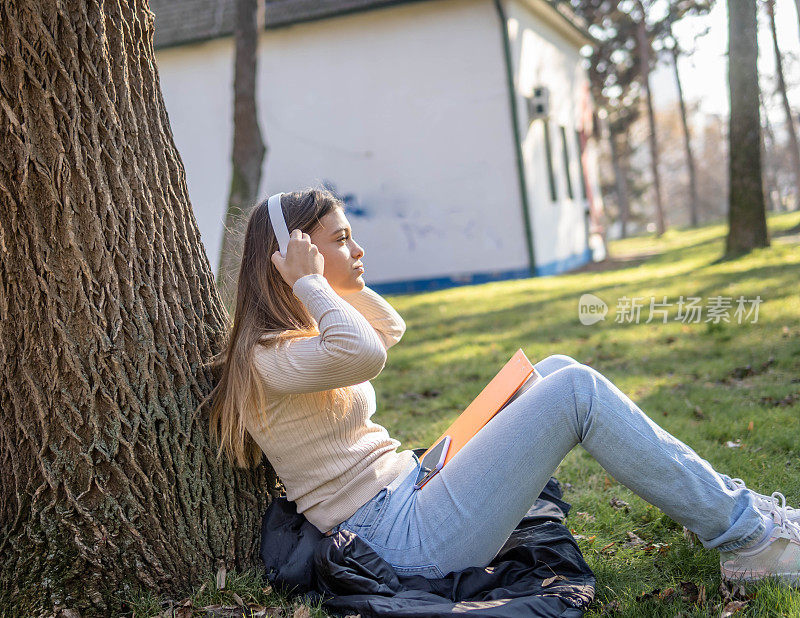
[440, 283]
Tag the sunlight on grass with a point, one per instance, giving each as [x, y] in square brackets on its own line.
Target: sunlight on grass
[691, 378]
[678, 373]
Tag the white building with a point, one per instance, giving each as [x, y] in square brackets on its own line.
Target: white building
[417, 113]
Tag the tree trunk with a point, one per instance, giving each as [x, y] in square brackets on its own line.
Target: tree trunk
[747, 223]
[797, 6]
[794, 149]
[769, 175]
[108, 309]
[687, 140]
[248, 149]
[621, 182]
[644, 64]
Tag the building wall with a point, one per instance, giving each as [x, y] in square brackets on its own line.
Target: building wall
[543, 55]
[403, 111]
[197, 85]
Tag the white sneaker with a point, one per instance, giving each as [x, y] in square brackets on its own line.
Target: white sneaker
[765, 504]
[778, 556]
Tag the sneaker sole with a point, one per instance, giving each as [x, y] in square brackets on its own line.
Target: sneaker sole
[793, 579]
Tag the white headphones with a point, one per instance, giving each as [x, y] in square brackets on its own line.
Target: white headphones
[278, 222]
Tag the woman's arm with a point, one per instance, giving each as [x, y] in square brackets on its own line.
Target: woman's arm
[347, 351]
[380, 314]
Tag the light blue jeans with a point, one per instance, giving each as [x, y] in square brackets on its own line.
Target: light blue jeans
[463, 516]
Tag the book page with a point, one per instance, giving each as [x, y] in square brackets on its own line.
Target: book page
[532, 379]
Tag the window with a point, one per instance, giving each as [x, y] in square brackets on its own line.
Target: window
[566, 161]
[549, 152]
[580, 163]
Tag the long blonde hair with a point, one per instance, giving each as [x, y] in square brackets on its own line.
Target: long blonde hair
[266, 313]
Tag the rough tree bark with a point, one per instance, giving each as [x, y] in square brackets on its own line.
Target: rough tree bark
[248, 149]
[747, 222]
[108, 308]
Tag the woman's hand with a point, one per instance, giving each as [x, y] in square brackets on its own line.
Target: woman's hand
[302, 258]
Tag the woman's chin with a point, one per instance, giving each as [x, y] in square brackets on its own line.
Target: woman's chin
[355, 286]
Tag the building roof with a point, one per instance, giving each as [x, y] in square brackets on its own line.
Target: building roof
[187, 21]
[285, 12]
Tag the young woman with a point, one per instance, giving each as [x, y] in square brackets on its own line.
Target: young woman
[308, 336]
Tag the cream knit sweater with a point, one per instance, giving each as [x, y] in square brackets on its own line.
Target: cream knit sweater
[330, 467]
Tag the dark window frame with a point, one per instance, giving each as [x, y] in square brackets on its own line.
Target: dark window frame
[580, 164]
[549, 153]
[565, 151]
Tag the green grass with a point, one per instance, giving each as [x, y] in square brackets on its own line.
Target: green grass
[680, 374]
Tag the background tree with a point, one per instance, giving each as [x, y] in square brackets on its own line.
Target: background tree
[791, 132]
[677, 10]
[712, 168]
[248, 148]
[797, 6]
[612, 79]
[109, 312]
[747, 223]
[644, 49]
[770, 177]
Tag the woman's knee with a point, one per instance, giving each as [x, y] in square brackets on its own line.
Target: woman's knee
[554, 362]
[581, 382]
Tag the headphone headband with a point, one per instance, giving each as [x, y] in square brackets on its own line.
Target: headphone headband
[278, 222]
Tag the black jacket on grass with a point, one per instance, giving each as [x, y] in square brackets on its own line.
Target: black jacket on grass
[538, 572]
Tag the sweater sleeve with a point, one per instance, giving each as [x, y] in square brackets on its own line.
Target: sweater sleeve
[347, 350]
[380, 314]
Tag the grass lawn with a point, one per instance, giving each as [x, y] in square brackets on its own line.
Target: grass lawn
[731, 390]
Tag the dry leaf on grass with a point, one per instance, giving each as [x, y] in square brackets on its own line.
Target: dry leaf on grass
[607, 549]
[252, 610]
[223, 611]
[692, 593]
[633, 539]
[733, 592]
[732, 607]
[661, 548]
[619, 504]
[665, 595]
[302, 612]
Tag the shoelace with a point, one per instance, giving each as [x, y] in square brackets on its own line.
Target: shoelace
[768, 502]
[779, 513]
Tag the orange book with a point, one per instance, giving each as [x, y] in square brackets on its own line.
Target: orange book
[516, 376]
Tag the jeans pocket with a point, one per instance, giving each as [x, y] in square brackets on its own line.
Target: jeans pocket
[365, 518]
[428, 571]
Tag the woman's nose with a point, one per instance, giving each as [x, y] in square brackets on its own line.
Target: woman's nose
[358, 251]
